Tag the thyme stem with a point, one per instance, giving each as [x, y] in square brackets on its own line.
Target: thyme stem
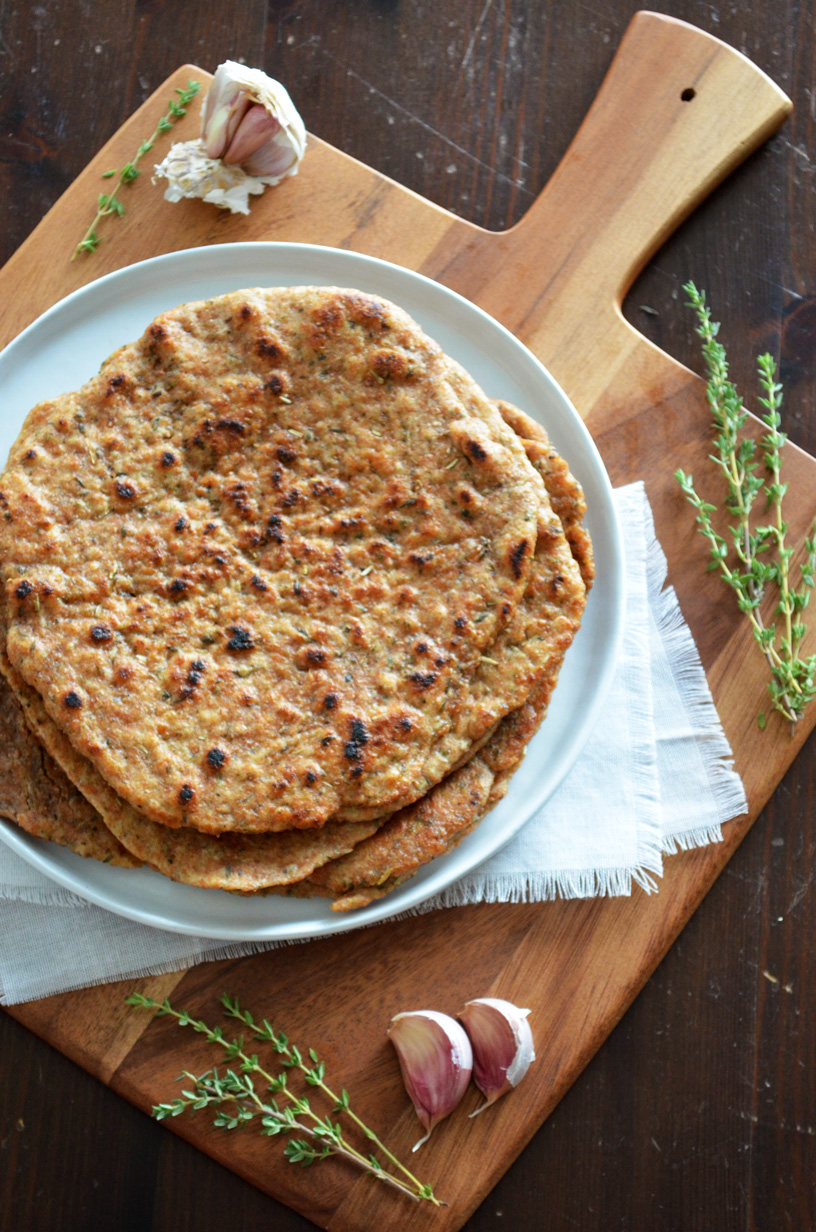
[109, 203]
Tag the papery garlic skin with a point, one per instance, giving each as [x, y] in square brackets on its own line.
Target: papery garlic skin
[436, 1060]
[248, 119]
[192, 174]
[502, 1045]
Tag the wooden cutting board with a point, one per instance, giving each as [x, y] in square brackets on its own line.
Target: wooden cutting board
[676, 113]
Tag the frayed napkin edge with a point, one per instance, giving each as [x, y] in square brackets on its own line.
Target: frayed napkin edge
[39, 896]
[687, 669]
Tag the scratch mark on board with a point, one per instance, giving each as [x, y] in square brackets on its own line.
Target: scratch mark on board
[477, 29]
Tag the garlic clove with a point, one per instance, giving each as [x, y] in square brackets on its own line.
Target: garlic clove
[436, 1059]
[255, 128]
[249, 119]
[273, 160]
[224, 120]
[502, 1045]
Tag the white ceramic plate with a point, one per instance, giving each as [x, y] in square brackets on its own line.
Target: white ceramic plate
[64, 348]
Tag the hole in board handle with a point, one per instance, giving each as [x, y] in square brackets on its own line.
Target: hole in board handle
[688, 94]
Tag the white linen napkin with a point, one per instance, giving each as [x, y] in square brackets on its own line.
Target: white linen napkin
[657, 745]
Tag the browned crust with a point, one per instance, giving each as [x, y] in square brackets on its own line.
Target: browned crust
[38, 797]
[564, 491]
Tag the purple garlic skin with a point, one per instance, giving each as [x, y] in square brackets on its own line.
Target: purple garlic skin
[436, 1060]
[502, 1045]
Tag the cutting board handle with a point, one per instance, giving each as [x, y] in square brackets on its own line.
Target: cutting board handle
[677, 111]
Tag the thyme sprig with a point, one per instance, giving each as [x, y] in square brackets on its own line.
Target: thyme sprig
[762, 556]
[236, 1096]
[314, 1076]
[109, 203]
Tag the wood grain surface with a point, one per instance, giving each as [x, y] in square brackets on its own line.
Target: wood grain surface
[699, 1110]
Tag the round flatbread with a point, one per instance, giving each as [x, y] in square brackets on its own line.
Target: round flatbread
[251, 566]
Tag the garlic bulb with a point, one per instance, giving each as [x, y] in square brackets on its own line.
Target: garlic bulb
[192, 174]
[502, 1045]
[251, 136]
[436, 1061]
[249, 120]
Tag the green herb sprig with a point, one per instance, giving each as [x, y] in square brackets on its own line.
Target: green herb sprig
[109, 203]
[249, 1091]
[762, 556]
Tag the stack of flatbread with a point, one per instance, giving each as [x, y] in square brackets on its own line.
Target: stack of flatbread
[285, 598]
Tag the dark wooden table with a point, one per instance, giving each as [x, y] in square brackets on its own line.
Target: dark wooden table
[700, 1111]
